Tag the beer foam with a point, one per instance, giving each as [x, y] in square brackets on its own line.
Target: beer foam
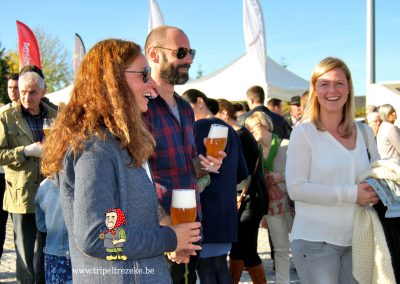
[183, 198]
[218, 131]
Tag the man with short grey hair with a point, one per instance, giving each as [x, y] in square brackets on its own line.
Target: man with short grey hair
[21, 136]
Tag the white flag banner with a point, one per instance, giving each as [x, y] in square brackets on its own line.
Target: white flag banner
[254, 32]
[156, 18]
[79, 52]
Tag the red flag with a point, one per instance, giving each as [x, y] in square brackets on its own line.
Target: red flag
[28, 47]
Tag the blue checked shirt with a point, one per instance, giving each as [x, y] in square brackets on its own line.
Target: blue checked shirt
[35, 123]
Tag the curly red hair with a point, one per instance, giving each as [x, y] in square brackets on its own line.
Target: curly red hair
[101, 100]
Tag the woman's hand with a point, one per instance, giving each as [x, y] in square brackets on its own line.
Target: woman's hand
[212, 164]
[186, 235]
[366, 195]
[275, 192]
[273, 178]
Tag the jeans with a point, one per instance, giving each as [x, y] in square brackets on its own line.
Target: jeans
[214, 270]
[58, 269]
[29, 244]
[322, 263]
[279, 227]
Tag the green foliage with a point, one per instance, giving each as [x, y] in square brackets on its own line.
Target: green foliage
[4, 72]
[360, 112]
[12, 58]
[56, 61]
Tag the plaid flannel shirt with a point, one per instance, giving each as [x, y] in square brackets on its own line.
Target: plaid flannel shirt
[172, 164]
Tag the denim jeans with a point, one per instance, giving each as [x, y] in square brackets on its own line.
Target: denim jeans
[322, 263]
[29, 244]
[214, 270]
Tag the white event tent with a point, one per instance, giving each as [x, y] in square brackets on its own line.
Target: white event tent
[232, 81]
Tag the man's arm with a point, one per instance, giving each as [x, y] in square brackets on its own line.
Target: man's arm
[9, 155]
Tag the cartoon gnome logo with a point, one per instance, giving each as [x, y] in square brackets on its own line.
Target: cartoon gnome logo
[115, 236]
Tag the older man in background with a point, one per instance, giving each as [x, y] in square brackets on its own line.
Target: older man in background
[21, 135]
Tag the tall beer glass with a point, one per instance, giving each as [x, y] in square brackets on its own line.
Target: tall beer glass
[183, 206]
[47, 124]
[216, 139]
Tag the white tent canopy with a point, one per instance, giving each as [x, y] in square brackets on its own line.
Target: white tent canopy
[384, 93]
[232, 81]
[60, 96]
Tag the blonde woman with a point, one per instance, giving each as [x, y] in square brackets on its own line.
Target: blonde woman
[325, 156]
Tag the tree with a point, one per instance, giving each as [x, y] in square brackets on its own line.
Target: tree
[56, 61]
[4, 72]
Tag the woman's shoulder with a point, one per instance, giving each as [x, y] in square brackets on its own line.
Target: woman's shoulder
[304, 129]
[96, 146]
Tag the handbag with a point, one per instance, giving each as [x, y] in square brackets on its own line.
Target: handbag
[243, 194]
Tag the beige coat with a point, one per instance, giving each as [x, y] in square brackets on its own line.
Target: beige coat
[22, 174]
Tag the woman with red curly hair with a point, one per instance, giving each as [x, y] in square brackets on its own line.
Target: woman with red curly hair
[99, 148]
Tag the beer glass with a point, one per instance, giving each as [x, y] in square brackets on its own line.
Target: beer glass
[183, 206]
[216, 139]
[47, 124]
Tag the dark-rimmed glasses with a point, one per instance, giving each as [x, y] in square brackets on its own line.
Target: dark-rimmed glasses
[145, 73]
[181, 52]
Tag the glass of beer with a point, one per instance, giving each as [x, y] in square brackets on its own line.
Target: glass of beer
[216, 139]
[183, 206]
[47, 124]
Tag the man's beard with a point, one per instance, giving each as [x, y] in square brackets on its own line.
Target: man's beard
[171, 75]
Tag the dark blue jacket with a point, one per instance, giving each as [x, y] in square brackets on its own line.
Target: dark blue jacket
[218, 200]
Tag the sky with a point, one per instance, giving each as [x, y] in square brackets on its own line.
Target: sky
[299, 34]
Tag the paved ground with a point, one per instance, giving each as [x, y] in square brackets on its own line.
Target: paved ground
[7, 266]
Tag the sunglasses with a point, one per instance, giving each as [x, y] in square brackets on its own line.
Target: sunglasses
[145, 73]
[181, 52]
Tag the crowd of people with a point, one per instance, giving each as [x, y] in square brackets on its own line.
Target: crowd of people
[96, 195]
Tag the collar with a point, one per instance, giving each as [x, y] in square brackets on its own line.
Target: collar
[26, 113]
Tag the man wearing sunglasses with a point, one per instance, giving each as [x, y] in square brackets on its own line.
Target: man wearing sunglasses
[171, 121]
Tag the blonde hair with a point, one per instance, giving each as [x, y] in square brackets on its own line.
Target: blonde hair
[313, 112]
[262, 118]
[384, 111]
[101, 101]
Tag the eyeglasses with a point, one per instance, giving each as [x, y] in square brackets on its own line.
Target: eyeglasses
[181, 52]
[146, 73]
